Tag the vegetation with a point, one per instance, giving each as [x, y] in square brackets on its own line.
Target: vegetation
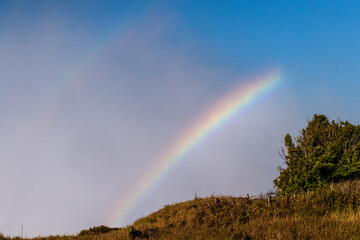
[324, 152]
[327, 213]
[97, 230]
[318, 197]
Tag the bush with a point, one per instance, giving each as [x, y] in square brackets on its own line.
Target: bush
[324, 152]
[97, 230]
[2, 236]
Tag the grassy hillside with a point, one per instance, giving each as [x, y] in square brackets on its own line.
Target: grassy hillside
[326, 214]
[331, 213]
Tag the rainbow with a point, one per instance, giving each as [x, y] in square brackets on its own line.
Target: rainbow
[228, 107]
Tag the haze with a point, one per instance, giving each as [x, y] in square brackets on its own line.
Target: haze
[93, 92]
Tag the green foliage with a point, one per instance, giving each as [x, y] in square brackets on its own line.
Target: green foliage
[324, 152]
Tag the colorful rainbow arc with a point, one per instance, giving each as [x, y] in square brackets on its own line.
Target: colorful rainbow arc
[236, 100]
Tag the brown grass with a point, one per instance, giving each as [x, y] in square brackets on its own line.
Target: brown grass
[331, 213]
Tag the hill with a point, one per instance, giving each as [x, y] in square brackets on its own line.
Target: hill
[331, 213]
[328, 213]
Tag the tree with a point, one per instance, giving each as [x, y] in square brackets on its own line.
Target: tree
[323, 153]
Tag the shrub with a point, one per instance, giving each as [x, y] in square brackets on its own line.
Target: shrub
[324, 152]
[96, 230]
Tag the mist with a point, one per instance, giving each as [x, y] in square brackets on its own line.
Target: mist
[83, 117]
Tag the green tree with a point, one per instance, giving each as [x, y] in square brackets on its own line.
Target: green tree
[324, 152]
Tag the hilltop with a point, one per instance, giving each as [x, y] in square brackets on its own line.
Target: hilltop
[331, 213]
[328, 213]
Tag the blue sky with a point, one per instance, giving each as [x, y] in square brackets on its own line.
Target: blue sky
[93, 92]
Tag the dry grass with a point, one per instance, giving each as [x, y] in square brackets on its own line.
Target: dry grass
[332, 213]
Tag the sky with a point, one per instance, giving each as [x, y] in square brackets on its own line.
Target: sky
[93, 93]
